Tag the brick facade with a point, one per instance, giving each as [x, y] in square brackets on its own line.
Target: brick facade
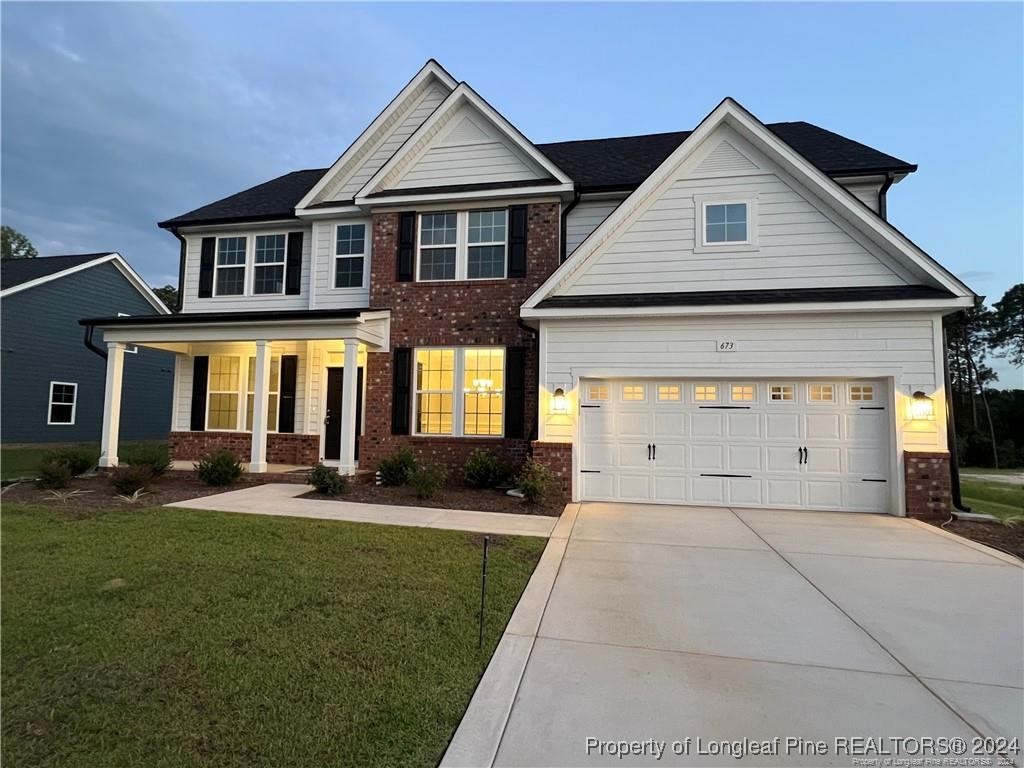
[928, 485]
[558, 458]
[463, 313]
[282, 448]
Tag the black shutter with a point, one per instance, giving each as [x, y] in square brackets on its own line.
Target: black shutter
[401, 405]
[286, 397]
[206, 258]
[293, 268]
[404, 259]
[515, 390]
[517, 241]
[200, 372]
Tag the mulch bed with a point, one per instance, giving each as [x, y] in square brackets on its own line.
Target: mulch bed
[1005, 537]
[177, 486]
[451, 497]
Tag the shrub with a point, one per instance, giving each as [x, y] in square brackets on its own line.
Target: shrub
[53, 473]
[77, 459]
[484, 470]
[130, 478]
[220, 467]
[327, 481]
[152, 455]
[397, 468]
[427, 480]
[535, 481]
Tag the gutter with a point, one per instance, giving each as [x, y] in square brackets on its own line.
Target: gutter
[890, 179]
[90, 329]
[565, 217]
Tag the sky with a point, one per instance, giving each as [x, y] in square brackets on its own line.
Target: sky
[116, 116]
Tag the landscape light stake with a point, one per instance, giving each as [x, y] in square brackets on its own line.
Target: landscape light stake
[483, 590]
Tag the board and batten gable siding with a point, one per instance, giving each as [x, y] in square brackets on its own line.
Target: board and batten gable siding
[190, 298]
[902, 346]
[583, 219]
[43, 342]
[801, 243]
[325, 295]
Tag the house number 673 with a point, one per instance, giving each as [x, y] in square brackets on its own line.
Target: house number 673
[726, 346]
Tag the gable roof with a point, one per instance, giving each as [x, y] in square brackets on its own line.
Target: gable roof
[729, 112]
[22, 274]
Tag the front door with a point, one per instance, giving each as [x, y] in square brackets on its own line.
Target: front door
[332, 418]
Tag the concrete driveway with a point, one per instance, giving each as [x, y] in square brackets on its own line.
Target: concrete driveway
[668, 623]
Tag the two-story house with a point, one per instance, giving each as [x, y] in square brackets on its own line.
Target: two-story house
[716, 316]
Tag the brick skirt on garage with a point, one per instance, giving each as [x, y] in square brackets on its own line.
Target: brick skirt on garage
[928, 485]
[303, 450]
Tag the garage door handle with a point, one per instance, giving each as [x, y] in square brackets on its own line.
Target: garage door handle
[654, 453]
[648, 451]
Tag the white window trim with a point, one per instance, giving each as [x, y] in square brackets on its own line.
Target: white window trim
[74, 405]
[461, 246]
[458, 401]
[249, 239]
[250, 281]
[245, 387]
[367, 233]
[700, 204]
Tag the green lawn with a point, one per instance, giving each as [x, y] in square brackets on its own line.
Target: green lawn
[994, 498]
[16, 463]
[166, 637]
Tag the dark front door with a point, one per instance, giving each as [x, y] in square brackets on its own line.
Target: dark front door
[332, 419]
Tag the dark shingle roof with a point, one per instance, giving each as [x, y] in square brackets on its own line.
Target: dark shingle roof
[17, 271]
[594, 164]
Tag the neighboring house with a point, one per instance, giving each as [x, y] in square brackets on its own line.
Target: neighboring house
[52, 385]
[721, 316]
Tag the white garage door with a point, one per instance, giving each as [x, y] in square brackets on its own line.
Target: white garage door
[793, 444]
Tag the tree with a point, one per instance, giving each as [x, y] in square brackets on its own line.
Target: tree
[1006, 326]
[169, 296]
[967, 342]
[15, 245]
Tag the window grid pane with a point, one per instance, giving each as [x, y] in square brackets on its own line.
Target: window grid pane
[437, 264]
[862, 392]
[483, 391]
[223, 384]
[597, 392]
[231, 251]
[435, 391]
[781, 392]
[725, 223]
[633, 392]
[350, 240]
[669, 392]
[822, 393]
[270, 249]
[486, 261]
[487, 226]
[230, 281]
[348, 272]
[705, 392]
[743, 392]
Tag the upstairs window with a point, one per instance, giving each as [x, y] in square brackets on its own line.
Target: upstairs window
[463, 245]
[486, 244]
[438, 233]
[230, 266]
[63, 396]
[268, 272]
[725, 223]
[349, 255]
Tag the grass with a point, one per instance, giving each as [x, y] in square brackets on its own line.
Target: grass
[166, 637]
[990, 471]
[1001, 500]
[22, 461]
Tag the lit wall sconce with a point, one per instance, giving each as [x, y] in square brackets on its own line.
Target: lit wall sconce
[922, 407]
[559, 402]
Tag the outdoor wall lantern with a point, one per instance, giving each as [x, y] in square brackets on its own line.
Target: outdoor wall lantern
[922, 407]
[559, 403]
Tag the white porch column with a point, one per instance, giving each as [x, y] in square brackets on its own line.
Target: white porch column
[112, 404]
[261, 398]
[347, 465]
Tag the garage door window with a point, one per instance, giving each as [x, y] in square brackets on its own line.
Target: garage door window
[705, 393]
[634, 392]
[781, 393]
[597, 393]
[743, 393]
[862, 393]
[821, 393]
[669, 393]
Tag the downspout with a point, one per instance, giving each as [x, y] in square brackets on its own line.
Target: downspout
[565, 216]
[890, 179]
[93, 346]
[181, 269]
[954, 464]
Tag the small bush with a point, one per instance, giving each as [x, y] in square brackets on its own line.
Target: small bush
[130, 478]
[427, 480]
[535, 481]
[77, 459]
[484, 470]
[397, 468]
[53, 473]
[327, 481]
[152, 455]
[219, 468]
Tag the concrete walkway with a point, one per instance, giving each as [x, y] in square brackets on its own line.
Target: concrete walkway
[279, 499]
[655, 625]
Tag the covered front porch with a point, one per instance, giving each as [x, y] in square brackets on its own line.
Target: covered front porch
[277, 389]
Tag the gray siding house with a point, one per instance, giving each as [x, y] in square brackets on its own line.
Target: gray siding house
[51, 384]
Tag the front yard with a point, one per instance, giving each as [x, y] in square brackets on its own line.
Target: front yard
[164, 637]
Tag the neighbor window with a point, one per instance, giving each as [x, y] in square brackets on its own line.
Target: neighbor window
[230, 266]
[705, 393]
[742, 393]
[862, 392]
[63, 395]
[821, 393]
[725, 223]
[274, 386]
[349, 255]
[222, 397]
[463, 245]
[780, 393]
[669, 392]
[268, 271]
[480, 406]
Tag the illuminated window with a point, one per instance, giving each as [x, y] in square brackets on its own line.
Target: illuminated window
[781, 393]
[705, 393]
[480, 407]
[274, 386]
[669, 392]
[483, 391]
[742, 393]
[222, 397]
[821, 393]
[597, 392]
[862, 392]
[633, 392]
[435, 391]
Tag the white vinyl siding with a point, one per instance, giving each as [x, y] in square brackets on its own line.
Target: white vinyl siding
[325, 295]
[584, 218]
[866, 193]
